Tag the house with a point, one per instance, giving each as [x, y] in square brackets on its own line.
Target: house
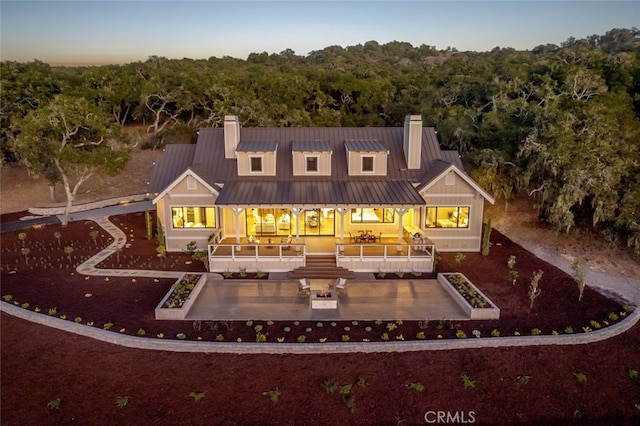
[239, 192]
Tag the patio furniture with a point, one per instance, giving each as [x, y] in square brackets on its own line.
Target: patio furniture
[342, 285]
[286, 241]
[304, 288]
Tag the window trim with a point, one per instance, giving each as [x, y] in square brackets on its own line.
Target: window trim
[184, 216]
[306, 163]
[256, 157]
[373, 163]
[426, 223]
[383, 221]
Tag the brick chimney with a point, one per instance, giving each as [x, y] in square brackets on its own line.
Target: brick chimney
[231, 135]
[412, 140]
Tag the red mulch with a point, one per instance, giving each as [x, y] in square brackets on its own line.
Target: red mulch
[40, 364]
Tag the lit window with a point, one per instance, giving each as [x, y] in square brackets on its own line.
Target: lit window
[312, 164]
[193, 217]
[447, 217]
[367, 164]
[256, 164]
[372, 215]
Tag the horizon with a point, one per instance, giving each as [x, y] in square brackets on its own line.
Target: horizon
[76, 33]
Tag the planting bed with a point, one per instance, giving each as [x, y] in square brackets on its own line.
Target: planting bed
[38, 368]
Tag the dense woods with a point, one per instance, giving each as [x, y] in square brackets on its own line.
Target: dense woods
[559, 123]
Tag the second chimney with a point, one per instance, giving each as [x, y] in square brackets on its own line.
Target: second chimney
[412, 140]
[231, 135]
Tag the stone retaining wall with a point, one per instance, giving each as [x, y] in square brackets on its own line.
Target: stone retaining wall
[314, 348]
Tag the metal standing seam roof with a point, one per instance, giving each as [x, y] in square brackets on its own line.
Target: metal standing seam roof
[398, 187]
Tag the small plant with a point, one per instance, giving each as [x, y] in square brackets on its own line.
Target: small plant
[273, 394]
[77, 320]
[22, 236]
[7, 297]
[148, 224]
[25, 252]
[261, 274]
[160, 234]
[191, 248]
[416, 386]
[595, 324]
[579, 275]
[197, 396]
[261, 337]
[227, 274]
[122, 401]
[423, 324]
[107, 326]
[301, 339]
[329, 386]
[68, 250]
[362, 382]
[400, 274]
[535, 331]
[384, 336]
[141, 332]
[461, 334]
[345, 389]
[345, 338]
[568, 330]
[26, 305]
[162, 253]
[243, 272]
[420, 335]
[57, 236]
[54, 404]
[513, 276]
[523, 379]
[632, 374]
[467, 382]
[459, 257]
[382, 274]
[495, 333]
[181, 336]
[580, 377]
[416, 273]
[613, 316]
[219, 338]
[94, 236]
[391, 326]
[534, 290]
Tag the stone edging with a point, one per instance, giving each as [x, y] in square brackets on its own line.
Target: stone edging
[49, 211]
[318, 348]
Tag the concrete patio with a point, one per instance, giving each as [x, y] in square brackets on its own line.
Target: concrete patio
[363, 300]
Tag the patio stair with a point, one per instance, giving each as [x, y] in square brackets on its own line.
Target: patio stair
[321, 267]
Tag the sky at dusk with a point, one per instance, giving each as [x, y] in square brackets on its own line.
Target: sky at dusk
[101, 32]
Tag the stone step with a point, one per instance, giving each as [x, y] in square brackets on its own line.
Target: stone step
[321, 272]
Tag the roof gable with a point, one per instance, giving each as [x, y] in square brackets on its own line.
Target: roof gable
[187, 173]
[441, 170]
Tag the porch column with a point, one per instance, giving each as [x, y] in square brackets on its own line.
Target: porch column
[296, 214]
[236, 215]
[400, 212]
[342, 212]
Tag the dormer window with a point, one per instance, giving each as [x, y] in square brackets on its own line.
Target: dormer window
[256, 164]
[367, 164]
[312, 164]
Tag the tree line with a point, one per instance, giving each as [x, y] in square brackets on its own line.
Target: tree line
[560, 123]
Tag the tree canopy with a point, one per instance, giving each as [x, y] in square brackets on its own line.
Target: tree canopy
[560, 123]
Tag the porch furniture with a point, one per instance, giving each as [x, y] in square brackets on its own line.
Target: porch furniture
[342, 285]
[286, 241]
[284, 223]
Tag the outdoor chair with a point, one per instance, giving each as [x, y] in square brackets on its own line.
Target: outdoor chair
[304, 288]
[342, 285]
[287, 242]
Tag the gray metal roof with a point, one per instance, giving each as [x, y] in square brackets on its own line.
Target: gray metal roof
[311, 146]
[207, 159]
[320, 193]
[257, 146]
[365, 146]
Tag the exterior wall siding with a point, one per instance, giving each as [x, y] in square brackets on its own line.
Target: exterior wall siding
[268, 163]
[300, 163]
[379, 163]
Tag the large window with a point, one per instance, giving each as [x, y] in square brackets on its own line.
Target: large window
[193, 217]
[372, 216]
[447, 217]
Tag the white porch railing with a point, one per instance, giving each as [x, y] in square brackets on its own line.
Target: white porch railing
[258, 257]
[385, 257]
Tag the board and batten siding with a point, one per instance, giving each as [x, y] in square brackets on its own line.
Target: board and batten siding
[379, 163]
[186, 194]
[300, 163]
[458, 194]
[268, 163]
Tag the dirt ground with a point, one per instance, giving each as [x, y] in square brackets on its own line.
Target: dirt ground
[536, 385]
